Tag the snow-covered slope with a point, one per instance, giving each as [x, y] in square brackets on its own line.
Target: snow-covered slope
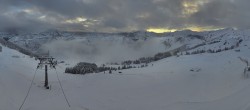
[189, 82]
[117, 47]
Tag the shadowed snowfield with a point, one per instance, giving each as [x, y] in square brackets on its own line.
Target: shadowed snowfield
[167, 85]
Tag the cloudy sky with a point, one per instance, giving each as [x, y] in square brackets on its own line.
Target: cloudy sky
[124, 15]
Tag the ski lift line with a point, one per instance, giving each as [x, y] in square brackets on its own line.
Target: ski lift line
[28, 91]
[62, 89]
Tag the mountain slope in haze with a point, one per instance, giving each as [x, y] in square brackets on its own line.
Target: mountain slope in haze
[188, 82]
[118, 47]
[34, 41]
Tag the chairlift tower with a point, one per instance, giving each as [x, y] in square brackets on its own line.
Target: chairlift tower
[46, 61]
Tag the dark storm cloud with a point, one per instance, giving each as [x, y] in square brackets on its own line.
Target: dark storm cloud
[121, 15]
[21, 21]
[223, 13]
[13, 17]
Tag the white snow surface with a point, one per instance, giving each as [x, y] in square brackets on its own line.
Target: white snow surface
[167, 84]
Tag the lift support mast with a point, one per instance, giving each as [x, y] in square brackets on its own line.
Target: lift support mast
[46, 61]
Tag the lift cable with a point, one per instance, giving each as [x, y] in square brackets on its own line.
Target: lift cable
[28, 90]
[62, 88]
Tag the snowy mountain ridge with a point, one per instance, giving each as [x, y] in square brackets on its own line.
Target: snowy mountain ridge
[189, 82]
[135, 44]
[117, 47]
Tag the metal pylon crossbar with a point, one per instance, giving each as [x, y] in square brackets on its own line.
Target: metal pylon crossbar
[46, 61]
